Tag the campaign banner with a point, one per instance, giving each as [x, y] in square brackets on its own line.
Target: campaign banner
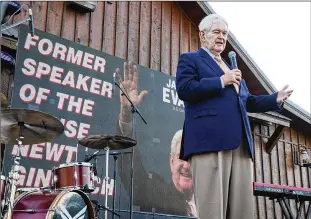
[75, 84]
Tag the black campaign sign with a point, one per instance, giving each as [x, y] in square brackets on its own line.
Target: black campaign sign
[74, 83]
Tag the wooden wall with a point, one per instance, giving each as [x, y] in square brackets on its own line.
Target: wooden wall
[278, 167]
[154, 34]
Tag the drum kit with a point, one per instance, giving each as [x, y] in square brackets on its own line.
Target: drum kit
[67, 197]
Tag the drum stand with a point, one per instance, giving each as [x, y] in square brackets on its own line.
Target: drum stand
[14, 175]
[99, 207]
[105, 207]
[115, 157]
[106, 181]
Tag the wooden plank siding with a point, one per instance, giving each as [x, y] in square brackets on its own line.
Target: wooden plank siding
[154, 34]
[278, 168]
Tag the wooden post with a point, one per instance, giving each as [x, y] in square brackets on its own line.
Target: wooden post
[273, 140]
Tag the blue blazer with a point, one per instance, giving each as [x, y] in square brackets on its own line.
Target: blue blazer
[215, 117]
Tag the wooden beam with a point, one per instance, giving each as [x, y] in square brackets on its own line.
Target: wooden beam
[10, 43]
[267, 118]
[273, 140]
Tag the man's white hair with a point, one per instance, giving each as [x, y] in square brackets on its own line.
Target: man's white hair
[207, 22]
[177, 137]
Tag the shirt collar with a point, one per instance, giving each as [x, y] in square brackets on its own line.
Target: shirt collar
[208, 52]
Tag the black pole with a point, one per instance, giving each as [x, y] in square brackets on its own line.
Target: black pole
[120, 183]
[132, 184]
[132, 164]
[114, 184]
[134, 111]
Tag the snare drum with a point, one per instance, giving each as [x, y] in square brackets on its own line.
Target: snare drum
[74, 175]
[52, 205]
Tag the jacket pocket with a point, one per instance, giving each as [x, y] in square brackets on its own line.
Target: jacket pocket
[205, 112]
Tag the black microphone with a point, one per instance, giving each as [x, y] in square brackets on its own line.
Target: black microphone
[232, 57]
[31, 24]
[114, 82]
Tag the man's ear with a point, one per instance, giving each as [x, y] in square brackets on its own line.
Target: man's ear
[201, 35]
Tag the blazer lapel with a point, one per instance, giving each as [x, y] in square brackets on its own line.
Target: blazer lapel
[213, 65]
[209, 60]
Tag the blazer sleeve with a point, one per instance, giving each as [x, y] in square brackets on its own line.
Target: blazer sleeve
[262, 103]
[189, 86]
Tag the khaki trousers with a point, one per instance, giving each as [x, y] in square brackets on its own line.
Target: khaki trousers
[223, 184]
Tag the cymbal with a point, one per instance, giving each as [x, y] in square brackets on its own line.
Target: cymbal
[36, 127]
[114, 142]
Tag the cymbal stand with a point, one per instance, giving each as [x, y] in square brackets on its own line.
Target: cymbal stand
[14, 173]
[134, 110]
[106, 175]
[75, 175]
[106, 182]
[99, 207]
[115, 157]
[96, 202]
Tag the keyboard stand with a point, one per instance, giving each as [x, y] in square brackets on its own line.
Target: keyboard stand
[288, 212]
[309, 212]
[283, 194]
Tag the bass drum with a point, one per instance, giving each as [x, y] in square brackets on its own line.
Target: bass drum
[52, 205]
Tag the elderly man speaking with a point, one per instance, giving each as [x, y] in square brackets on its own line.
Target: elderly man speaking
[217, 136]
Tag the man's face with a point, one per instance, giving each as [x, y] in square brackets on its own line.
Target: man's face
[215, 39]
[181, 172]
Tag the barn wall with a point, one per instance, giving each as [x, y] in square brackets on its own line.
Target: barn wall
[278, 167]
[154, 34]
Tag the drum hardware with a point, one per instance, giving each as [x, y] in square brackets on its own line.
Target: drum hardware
[107, 143]
[86, 187]
[75, 175]
[93, 156]
[46, 190]
[14, 173]
[24, 127]
[99, 207]
[115, 157]
[106, 182]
